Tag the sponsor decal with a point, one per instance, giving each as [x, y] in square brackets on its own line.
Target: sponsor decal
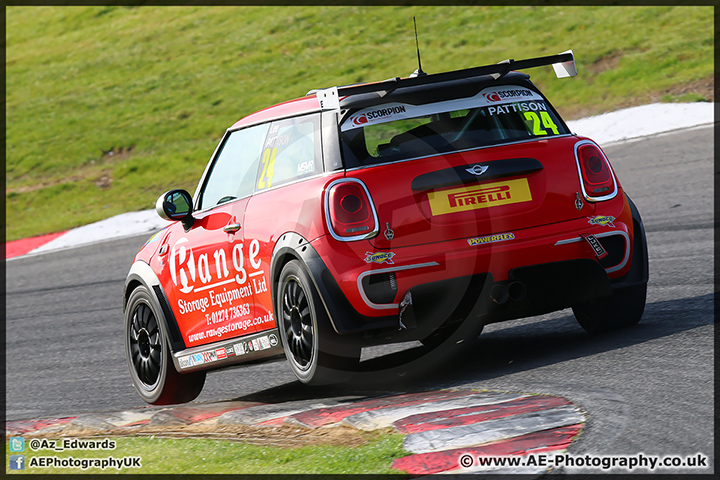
[261, 343]
[190, 272]
[197, 359]
[273, 340]
[492, 97]
[306, 167]
[209, 357]
[500, 237]
[477, 169]
[506, 94]
[378, 114]
[230, 351]
[482, 196]
[220, 353]
[599, 250]
[380, 257]
[184, 362]
[518, 107]
[240, 349]
[603, 220]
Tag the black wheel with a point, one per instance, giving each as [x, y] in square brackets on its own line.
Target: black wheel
[151, 369]
[317, 355]
[623, 308]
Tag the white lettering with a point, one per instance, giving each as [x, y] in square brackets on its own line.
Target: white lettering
[254, 250]
[221, 264]
[204, 268]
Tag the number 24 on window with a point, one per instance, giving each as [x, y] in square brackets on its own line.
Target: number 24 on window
[537, 126]
[268, 168]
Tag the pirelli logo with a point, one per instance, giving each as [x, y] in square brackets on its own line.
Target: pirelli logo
[483, 196]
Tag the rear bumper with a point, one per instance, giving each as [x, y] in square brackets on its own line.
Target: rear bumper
[540, 269]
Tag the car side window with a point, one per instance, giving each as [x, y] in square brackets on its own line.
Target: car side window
[235, 168]
[291, 151]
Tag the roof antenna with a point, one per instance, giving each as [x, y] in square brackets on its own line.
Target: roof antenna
[419, 72]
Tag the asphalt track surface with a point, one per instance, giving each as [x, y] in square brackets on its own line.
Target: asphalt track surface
[647, 389]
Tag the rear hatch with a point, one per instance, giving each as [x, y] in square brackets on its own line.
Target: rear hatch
[490, 164]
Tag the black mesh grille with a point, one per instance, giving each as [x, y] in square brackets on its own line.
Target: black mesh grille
[615, 246]
[380, 288]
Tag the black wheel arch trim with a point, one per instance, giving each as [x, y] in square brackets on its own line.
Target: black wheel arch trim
[639, 272]
[142, 274]
[343, 317]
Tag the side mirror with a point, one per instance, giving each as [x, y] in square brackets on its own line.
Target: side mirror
[176, 205]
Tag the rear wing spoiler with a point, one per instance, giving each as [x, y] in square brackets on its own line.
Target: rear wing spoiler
[563, 64]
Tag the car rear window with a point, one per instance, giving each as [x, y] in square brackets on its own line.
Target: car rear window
[398, 131]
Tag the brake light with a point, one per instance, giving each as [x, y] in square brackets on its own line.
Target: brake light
[598, 180]
[349, 210]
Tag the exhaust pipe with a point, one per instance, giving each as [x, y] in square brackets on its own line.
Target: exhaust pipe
[517, 291]
[499, 293]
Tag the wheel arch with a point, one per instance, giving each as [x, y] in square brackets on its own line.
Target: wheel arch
[293, 246]
[142, 274]
[639, 272]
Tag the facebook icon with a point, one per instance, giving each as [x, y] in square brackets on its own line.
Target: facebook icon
[17, 462]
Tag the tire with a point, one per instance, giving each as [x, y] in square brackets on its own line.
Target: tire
[622, 309]
[148, 356]
[316, 354]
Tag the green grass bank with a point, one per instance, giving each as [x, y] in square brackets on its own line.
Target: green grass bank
[108, 107]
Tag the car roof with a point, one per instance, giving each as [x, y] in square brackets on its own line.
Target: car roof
[291, 108]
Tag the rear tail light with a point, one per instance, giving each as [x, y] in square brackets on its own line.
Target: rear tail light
[597, 178]
[349, 210]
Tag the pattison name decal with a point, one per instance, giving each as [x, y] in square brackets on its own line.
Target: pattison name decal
[483, 196]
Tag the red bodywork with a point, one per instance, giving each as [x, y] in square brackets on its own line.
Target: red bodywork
[219, 284]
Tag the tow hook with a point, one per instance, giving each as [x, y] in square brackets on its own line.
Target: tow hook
[409, 320]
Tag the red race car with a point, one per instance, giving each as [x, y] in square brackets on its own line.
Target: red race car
[419, 208]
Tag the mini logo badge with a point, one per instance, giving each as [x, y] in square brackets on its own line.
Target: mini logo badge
[380, 257]
[477, 169]
[605, 221]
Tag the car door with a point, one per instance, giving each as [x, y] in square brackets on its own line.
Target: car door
[210, 265]
[288, 195]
